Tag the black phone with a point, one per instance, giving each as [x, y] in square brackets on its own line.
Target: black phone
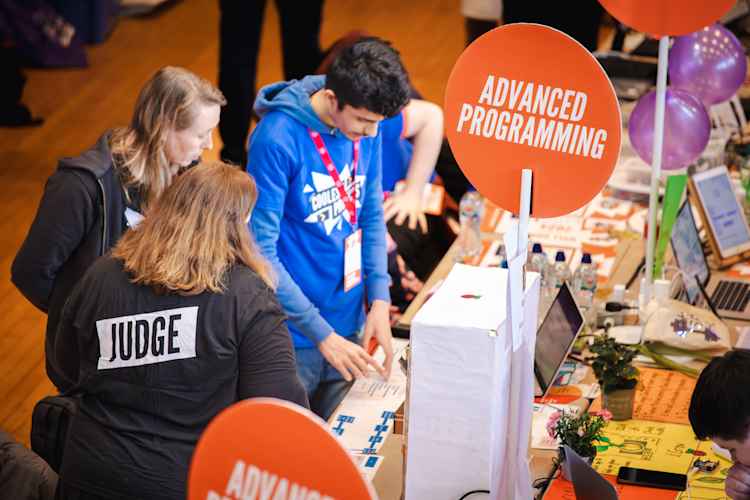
[652, 478]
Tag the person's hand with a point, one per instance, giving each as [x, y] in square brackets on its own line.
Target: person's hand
[348, 358]
[378, 325]
[409, 281]
[406, 203]
[737, 484]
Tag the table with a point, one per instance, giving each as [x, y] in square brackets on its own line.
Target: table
[389, 480]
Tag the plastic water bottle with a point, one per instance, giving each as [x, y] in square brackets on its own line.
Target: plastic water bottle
[584, 282]
[470, 211]
[537, 262]
[560, 272]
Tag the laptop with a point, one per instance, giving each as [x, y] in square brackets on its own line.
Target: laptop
[554, 339]
[588, 484]
[730, 297]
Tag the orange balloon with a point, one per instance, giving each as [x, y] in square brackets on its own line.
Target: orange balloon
[667, 17]
[272, 446]
[529, 96]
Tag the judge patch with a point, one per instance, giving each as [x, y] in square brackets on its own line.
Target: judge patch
[145, 339]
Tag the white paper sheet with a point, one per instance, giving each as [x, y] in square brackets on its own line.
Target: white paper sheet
[364, 419]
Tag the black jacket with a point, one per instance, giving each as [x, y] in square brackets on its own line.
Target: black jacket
[80, 217]
[23, 473]
[156, 368]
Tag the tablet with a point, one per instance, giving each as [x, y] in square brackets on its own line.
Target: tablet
[722, 212]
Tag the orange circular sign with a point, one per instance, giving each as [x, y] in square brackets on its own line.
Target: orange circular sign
[266, 449]
[667, 17]
[529, 96]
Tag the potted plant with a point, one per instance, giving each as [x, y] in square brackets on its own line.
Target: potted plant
[579, 432]
[613, 367]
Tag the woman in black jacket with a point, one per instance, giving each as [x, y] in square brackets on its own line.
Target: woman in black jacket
[178, 323]
[93, 198]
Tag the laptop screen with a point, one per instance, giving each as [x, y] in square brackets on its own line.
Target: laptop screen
[555, 336]
[688, 252]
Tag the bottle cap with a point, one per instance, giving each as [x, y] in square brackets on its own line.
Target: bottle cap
[537, 248]
[586, 259]
[560, 256]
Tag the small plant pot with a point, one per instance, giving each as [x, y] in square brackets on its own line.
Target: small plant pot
[565, 467]
[620, 403]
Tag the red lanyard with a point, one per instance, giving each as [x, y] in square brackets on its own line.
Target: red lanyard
[349, 200]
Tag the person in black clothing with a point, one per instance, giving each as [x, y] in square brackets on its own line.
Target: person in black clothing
[178, 323]
[240, 27]
[720, 411]
[93, 198]
[580, 19]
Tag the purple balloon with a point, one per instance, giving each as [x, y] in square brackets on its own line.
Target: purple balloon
[687, 128]
[710, 64]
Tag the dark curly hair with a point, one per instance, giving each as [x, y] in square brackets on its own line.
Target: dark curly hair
[369, 74]
[720, 405]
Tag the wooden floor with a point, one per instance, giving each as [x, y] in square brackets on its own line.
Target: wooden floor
[79, 105]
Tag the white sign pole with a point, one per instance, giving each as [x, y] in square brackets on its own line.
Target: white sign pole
[523, 213]
[509, 469]
[653, 201]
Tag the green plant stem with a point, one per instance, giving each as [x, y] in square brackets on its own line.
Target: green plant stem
[667, 363]
[662, 348]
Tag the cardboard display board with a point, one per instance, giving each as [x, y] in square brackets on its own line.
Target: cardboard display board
[667, 17]
[267, 448]
[527, 96]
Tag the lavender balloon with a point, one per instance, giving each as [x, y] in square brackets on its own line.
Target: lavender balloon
[686, 128]
[710, 64]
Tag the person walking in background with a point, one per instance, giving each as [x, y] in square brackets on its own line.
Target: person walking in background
[240, 27]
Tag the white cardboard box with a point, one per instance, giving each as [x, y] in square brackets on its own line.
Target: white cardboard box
[470, 396]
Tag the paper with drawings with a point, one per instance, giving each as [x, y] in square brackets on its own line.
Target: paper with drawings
[364, 419]
[540, 437]
[368, 464]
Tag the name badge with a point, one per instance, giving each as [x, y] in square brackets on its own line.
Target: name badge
[353, 260]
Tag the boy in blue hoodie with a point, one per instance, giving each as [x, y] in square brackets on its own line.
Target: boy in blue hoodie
[316, 158]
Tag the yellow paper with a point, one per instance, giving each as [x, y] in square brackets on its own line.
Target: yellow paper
[647, 445]
[707, 485]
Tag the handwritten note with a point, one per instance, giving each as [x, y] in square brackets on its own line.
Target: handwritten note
[661, 396]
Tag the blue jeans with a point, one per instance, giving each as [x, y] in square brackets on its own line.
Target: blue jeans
[324, 384]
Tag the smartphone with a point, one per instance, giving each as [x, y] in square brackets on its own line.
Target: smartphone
[652, 478]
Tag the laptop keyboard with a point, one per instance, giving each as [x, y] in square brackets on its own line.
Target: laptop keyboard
[731, 295]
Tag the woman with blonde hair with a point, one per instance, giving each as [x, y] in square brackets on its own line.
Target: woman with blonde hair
[91, 199]
[179, 322]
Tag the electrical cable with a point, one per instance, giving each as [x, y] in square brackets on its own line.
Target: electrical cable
[473, 492]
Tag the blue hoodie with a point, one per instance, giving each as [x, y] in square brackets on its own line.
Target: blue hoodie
[299, 220]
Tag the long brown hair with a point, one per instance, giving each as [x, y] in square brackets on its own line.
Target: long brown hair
[167, 102]
[194, 232]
